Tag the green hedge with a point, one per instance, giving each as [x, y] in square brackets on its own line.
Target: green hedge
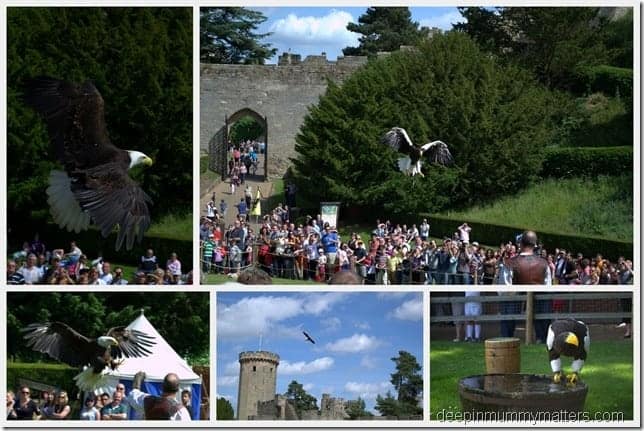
[609, 80]
[59, 376]
[493, 234]
[92, 244]
[565, 162]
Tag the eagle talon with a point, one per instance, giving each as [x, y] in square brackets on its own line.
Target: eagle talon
[115, 364]
[572, 378]
[557, 377]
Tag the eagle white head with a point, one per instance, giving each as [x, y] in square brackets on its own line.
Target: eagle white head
[138, 158]
[107, 342]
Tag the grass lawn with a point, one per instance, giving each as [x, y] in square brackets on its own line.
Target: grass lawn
[572, 206]
[608, 373]
[221, 279]
[174, 226]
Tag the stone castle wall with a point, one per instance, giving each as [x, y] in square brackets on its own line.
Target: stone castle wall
[282, 93]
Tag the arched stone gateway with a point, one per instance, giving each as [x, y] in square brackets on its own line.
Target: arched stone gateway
[218, 147]
[281, 93]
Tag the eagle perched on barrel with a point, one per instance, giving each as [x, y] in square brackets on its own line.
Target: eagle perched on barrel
[95, 184]
[567, 337]
[411, 164]
[95, 356]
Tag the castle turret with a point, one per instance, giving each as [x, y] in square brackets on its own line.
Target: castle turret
[257, 381]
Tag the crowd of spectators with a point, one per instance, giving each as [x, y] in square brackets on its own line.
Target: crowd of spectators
[392, 254]
[56, 405]
[35, 264]
[243, 161]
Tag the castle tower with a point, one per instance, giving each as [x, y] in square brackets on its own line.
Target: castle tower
[257, 381]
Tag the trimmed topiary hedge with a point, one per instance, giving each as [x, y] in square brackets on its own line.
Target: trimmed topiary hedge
[494, 234]
[566, 162]
[92, 244]
[609, 80]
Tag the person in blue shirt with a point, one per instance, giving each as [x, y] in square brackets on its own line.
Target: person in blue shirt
[330, 241]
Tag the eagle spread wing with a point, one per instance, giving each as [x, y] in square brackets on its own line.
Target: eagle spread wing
[398, 139]
[437, 152]
[60, 342]
[96, 182]
[308, 337]
[131, 343]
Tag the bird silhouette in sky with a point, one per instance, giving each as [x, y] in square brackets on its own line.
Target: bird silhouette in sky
[308, 337]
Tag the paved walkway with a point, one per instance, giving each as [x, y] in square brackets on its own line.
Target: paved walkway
[222, 191]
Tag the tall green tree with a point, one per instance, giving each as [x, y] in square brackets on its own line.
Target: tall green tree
[552, 42]
[495, 119]
[356, 409]
[385, 29]
[388, 405]
[228, 35]
[225, 410]
[244, 129]
[408, 382]
[300, 398]
[140, 59]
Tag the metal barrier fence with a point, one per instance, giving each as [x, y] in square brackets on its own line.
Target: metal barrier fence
[596, 307]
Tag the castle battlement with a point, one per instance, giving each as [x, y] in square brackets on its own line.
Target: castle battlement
[259, 356]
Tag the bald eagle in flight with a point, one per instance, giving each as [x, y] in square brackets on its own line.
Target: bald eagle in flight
[436, 151]
[95, 356]
[308, 337]
[567, 337]
[95, 184]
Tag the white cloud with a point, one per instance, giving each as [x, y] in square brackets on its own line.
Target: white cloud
[308, 386]
[444, 22]
[363, 325]
[224, 396]
[331, 324]
[329, 29]
[321, 302]
[368, 391]
[232, 368]
[302, 367]
[368, 362]
[228, 380]
[250, 317]
[409, 310]
[355, 343]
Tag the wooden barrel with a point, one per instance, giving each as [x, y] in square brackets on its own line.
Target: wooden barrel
[502, 355]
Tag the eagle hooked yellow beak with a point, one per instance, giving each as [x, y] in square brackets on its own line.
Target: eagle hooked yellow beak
[572, 339]
[148, 161]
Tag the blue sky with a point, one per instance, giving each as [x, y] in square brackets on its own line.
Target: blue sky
[313, 30]
[356, 336]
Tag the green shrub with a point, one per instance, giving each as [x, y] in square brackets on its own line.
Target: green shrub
[570, 162]
[495, 119]
[493, 234]
[609, 80]
[59, 376]
[93, 244]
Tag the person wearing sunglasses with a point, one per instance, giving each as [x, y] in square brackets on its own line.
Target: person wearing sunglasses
[25, 407]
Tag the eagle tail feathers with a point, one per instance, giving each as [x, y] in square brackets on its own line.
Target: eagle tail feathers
[64, 207]
[89, 381]
[405, 165]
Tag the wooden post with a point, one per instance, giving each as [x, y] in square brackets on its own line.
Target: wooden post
[529, 318]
